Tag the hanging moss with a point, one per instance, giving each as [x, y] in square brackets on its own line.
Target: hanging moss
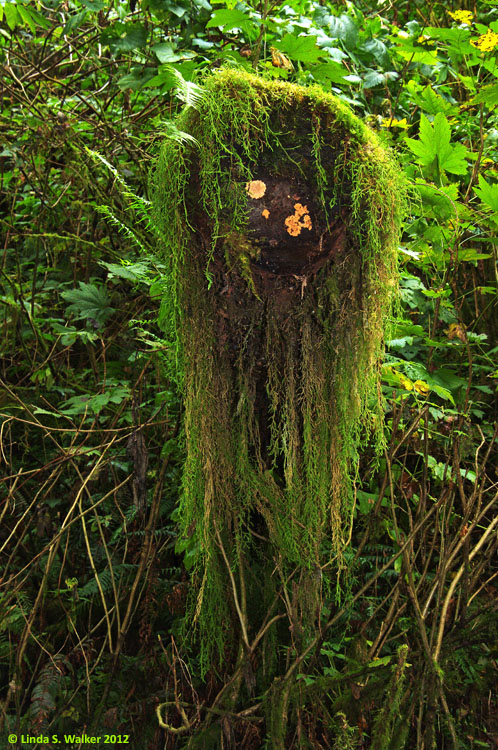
[280, 230]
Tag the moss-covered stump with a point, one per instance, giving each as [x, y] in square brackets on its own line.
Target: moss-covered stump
[281, 224]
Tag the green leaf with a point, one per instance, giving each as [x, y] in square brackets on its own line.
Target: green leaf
[380, 662]
[379, 51]
[39, 410]
[172, 132]
[94, 5]
[89, 302]
[435, 143]
[300, 48]
[373, 78]
[187, 91]
[229, 19]
[488, 193]
[344, 28]
[487, 95]
[84, 403]
[331, 71]
[416, 54]
[27, 17]
[440, 202]
[135, 272]
[11, 15]
[428, 100]
[135, 37]
[471, 254]
[137, 78]
[167, 53]
[74, 22]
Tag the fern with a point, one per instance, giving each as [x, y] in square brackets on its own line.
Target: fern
[139, 204]
[174, 134]
[189, 93]
[105, 578]
[126, 231]
[44, 696]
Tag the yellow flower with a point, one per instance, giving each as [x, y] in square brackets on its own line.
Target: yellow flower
[421, 387]
[405, 382]
[392, 123]
[486, 42]
[462, 16]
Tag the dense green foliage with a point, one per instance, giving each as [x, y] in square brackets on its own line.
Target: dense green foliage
[92, 589]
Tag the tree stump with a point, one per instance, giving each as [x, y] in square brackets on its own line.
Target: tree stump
[280, 212]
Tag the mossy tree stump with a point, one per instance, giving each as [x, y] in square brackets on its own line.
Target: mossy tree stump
[280, 227]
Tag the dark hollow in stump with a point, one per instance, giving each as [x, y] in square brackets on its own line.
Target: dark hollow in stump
[280, 217]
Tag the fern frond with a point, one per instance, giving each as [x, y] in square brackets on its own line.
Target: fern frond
[191, 94]
[48, 686]
[126, 231]
[172, 132]
[141, 205]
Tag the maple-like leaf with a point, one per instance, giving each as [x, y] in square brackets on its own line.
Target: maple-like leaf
[89, 302]
[435, 144]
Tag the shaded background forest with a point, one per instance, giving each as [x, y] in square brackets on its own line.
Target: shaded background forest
[93, 582]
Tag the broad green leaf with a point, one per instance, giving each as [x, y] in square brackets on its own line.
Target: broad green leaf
[69, 334]
[365, 501]
[301, 48]
[373, 78]
[164, 80]
[228, 19]
[94, 5]
[379, 51]
[89, 302]
[85, 403]
[166, 53]
[135, 272]
[441, 202]
[400, 343]
[470, 254]
[27, 17]
[416, 54]
[487, 95]
[74, 22]
[423, 150]
[488, 193]
[11, 15]
[137, 78]
[382, 661]
[134, 37]
[435, 143]
[454, 160]
[428, 100]
[407, 328]
[331, 71]
[344, 28]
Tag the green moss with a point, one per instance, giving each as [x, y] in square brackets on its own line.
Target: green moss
[290, 480]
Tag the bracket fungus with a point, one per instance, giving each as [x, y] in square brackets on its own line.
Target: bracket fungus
[281, 225]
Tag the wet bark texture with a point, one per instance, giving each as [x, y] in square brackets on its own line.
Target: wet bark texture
[286, 242]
